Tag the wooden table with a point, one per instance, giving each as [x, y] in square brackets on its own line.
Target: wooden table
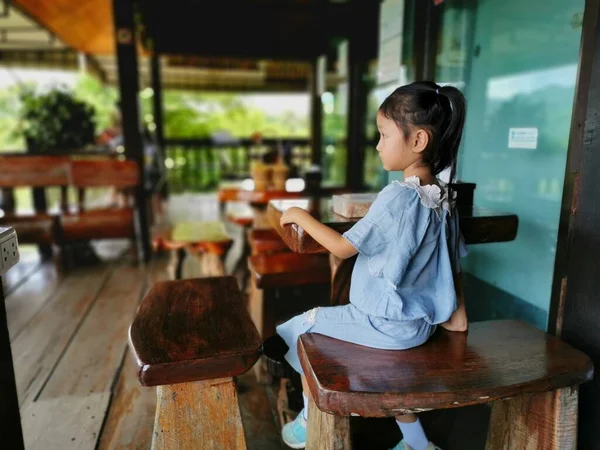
[243, 191]
[478, 226]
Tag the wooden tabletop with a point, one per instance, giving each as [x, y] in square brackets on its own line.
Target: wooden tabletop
[478, 227]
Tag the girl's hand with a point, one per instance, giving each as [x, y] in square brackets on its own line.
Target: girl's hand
[292, 215]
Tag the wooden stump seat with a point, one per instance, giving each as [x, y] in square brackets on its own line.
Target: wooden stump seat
[531, 377]
[266, 241]
[190, 338]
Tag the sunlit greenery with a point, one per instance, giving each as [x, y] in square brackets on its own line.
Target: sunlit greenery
[190, 115]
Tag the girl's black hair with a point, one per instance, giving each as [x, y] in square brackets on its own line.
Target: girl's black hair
[440, 110]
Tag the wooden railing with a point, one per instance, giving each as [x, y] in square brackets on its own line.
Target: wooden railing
[200, 164]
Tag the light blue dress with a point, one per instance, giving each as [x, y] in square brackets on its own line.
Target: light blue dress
[402, 284]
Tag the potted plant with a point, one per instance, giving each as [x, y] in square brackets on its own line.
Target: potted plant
[56, 121]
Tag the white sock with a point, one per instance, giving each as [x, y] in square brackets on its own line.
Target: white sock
[414, 435]
[305, 410]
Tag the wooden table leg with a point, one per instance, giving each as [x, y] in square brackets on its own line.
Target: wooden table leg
[203, 415]
[179, 267]
[341, 273]
[545, 421]
[326, 431]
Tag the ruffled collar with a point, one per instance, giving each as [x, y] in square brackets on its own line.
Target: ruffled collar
[431, 195]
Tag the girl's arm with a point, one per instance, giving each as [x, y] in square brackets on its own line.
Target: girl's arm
[327, 237]
[458, 320]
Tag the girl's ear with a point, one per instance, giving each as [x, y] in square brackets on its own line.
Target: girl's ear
[419, 140]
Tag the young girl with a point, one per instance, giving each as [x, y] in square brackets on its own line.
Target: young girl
[406, 278]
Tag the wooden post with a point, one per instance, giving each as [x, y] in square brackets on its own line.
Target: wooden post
[427, 19]
[545, 421]
[316, 111]
[157, 103]
[128, 88]
[357, 110]
[574, 310]
[202, 415]
[10, 420]
[327, 431]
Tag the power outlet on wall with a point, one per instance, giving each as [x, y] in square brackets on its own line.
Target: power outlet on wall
[9, 249]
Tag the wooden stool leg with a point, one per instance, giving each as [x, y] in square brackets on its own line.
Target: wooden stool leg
[326, 431]
[260, 318]
[172, 266]
[257, 306]
[202, 415]
[215, 265]
[545, 421]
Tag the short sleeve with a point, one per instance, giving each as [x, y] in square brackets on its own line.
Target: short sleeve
[457, 248]
[370, 234]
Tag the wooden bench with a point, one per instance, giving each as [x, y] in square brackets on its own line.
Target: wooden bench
[190, 339]
[71, 223]
[114, 222]
[38, 173]
[531, 377]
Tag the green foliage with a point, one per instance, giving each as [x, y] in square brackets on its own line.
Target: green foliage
[101, 97]
[200, 114]
[55, 120]
[9, 103]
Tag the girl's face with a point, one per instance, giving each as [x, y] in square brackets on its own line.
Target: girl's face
[397, 152]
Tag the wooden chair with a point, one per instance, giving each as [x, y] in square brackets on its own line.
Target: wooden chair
[190, 339]
[531, 377]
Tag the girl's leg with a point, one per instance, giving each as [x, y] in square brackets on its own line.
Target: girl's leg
[305, 396]
[407, 418]
[294, 433]
[412, 431]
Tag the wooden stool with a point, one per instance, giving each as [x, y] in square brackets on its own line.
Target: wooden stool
[190, 339]
[531, 377]
[281, 270]
[272, 281]
[199, 239]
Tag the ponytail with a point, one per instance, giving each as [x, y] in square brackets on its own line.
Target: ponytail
[449, 141]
